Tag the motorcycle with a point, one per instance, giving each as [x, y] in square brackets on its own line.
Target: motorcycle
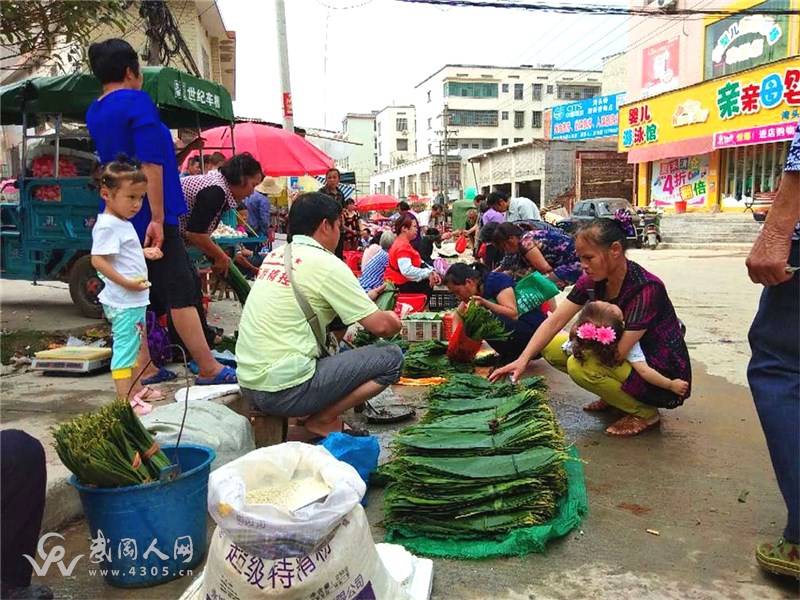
[649, 228]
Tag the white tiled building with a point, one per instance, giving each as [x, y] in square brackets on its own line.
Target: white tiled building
[359, 128]
[395, 134]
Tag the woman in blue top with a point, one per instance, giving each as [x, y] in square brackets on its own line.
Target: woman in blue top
[495, 291]
[124, 120]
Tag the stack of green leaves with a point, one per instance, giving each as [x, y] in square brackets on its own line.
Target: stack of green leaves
[428, 359]
[485, 459]
[109, 448]
[364, 337]
[481, 324]
[237, 282]
[388, 298]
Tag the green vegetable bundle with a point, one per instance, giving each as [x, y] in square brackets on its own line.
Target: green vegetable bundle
[485, 459]
[109, 448]
[427, 359]
[363, 337]
[388, 298]
[237, 282]
[481, 324]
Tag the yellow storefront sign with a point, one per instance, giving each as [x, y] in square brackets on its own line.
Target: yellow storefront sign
[747, 101]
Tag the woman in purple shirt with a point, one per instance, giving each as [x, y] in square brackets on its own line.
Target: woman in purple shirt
[650, 319]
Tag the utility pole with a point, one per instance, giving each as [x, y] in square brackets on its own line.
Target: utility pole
[444, 151]
[283, 55]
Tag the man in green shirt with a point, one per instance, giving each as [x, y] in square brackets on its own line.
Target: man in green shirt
[280, 369]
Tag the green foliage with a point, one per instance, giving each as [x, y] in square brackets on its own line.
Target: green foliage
[428, 359]
[481, 324]
[47, 27]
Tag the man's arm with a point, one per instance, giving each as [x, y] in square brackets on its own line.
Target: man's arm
[769, 257]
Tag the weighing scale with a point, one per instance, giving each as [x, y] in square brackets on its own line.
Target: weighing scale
[72, 359]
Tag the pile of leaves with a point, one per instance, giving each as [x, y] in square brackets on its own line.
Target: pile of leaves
[481, 324]
[428, 359]
[485, 459]
[109, 448]
[364, 337]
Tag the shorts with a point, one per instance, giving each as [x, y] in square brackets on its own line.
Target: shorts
[175, 283]
[334, 378]
[127, 327]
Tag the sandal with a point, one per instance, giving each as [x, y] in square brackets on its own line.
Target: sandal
[149, 394]
[354, 431]
[160, 377]
[598, 405]
[782, 558]
[140, 407]
[631, 425]
[225, 376]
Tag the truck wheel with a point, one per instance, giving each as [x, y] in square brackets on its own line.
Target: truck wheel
[84, 286]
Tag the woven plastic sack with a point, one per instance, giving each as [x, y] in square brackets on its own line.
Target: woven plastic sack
[532, 291]
[572, 508]
[274, 532]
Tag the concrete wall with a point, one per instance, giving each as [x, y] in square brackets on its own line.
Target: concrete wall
[615, 73]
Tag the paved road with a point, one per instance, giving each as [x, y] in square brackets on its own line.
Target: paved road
[684, 481]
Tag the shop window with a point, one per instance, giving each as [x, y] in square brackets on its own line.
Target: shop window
[752, 170]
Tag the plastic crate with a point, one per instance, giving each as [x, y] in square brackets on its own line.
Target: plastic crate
[442, 300]
[421, 331]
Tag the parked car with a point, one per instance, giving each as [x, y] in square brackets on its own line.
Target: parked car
[586, 210]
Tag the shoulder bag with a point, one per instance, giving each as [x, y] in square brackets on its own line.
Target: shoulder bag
[327, 344]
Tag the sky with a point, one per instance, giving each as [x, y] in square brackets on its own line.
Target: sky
[363, 55]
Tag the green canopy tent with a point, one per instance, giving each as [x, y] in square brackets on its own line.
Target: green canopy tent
[184, 101]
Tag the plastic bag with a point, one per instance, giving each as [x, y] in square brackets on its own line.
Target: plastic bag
[270, 531]
[441, 266]
[461, 243]
[361, 453]
[462, 348]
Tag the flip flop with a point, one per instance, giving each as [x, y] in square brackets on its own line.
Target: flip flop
[163, 375]
[226, 375]
[598, 405]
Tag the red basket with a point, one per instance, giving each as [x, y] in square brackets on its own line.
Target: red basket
[416, 301]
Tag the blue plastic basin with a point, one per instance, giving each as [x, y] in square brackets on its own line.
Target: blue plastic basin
[129, 519]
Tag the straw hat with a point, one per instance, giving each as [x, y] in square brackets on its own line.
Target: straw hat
[270, 186]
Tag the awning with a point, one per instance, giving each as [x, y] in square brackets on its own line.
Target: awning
[690, 147]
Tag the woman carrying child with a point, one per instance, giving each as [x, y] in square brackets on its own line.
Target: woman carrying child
[119, 258]
[649, 319]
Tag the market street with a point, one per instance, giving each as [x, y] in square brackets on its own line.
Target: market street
[703, 483]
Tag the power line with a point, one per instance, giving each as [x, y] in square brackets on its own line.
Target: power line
[603, 10]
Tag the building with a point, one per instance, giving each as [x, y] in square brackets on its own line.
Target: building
[211, 54]
[544, 170]
[416, 177]
[395, 128]
[711, 106]
[363, 158]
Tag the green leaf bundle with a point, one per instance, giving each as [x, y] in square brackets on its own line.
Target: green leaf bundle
[481, 324]
[109, 448]
[428, 359]
[388, 298]
[237, 282]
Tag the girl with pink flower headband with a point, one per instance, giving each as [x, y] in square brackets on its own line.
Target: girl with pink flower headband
[598, 330]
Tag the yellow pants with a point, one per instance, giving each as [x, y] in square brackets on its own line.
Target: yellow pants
[597, 378]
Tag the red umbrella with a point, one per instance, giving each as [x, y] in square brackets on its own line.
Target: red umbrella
[281, 154]
[376, 202]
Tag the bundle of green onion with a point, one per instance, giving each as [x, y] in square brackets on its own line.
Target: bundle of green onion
[109, 448]
[237, 282]
[481, 324]
[428, 359]
[485, 459]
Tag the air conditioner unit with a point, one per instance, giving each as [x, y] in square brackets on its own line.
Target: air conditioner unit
[667, 5]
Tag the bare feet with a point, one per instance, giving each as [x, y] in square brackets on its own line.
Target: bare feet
[598, 405]
[631, 425]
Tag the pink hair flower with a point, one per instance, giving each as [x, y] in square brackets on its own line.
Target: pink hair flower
[587, 331]
[605, 335]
